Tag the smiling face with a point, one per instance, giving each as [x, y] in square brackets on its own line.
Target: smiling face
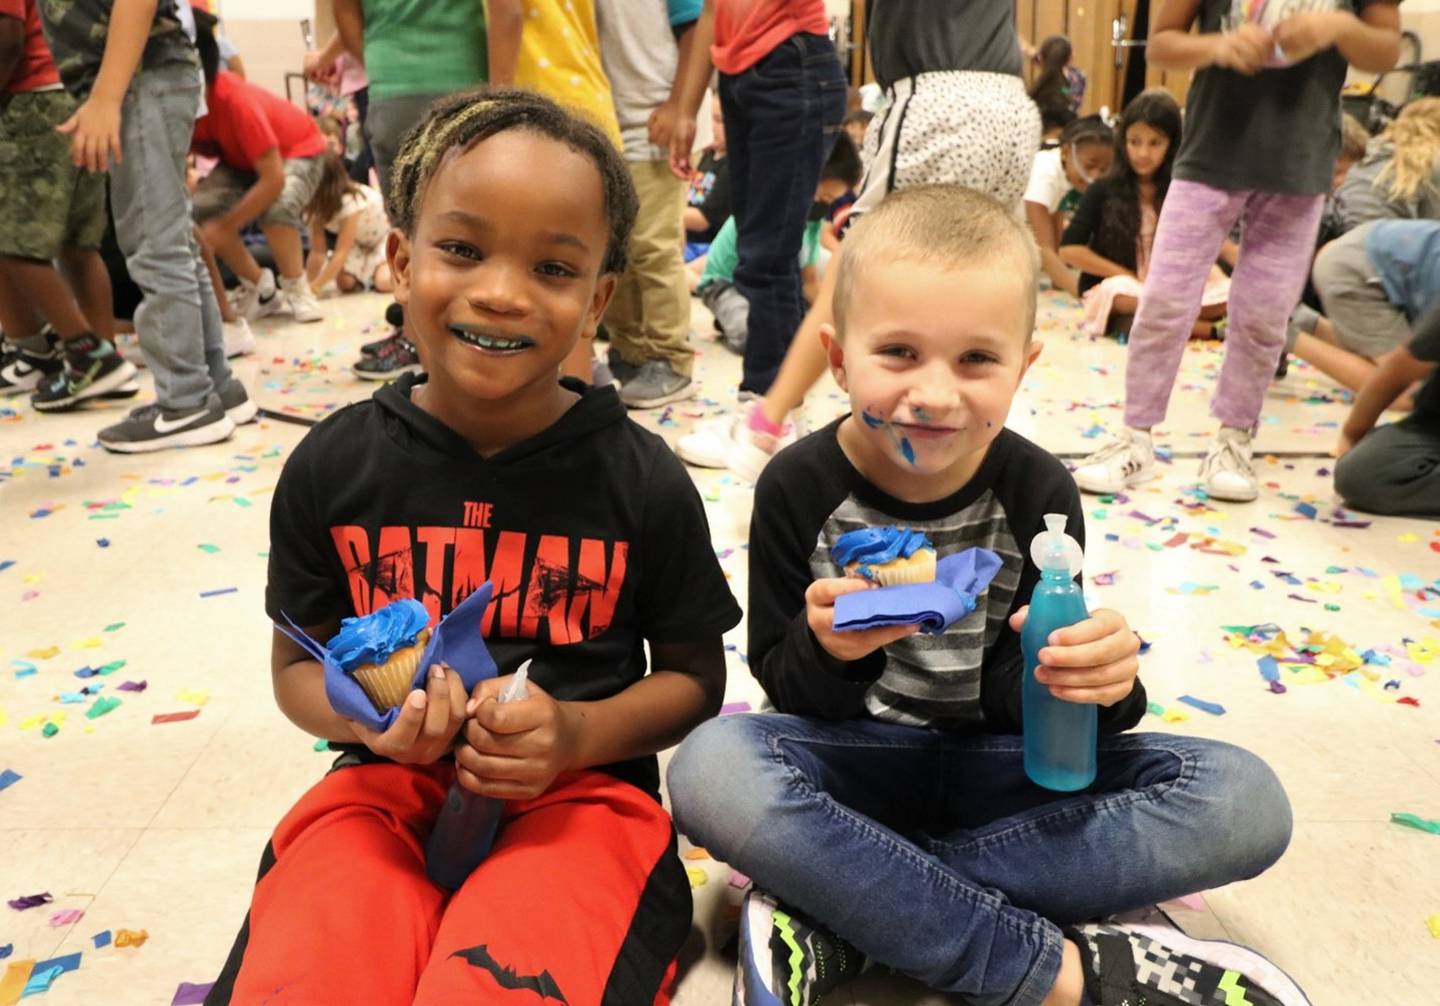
[931, 358]
[503, 273]
[1145, 148]
[1085, 162]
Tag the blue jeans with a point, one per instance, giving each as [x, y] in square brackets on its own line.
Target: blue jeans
[781, 119]
[179, 320]
[933, 853]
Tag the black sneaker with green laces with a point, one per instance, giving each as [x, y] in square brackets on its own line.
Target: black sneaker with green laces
[786, 960]
[396, 356]
[1152, 963]
[92, 369]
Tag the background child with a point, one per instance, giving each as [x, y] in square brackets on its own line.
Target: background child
[1057, 181]
[886, 798]
[1259, 148]
[270, 164]
[1112, 235]
[1399, 178]
[1396, 469]
[1059, 84]
[482, 254]
[355, 215]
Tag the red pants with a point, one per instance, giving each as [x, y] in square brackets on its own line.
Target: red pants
[583, 886]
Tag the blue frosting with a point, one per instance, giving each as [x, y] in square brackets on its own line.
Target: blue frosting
[875, 546]
[370, 639]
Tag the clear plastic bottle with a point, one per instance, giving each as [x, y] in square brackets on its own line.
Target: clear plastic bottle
[1059, 735]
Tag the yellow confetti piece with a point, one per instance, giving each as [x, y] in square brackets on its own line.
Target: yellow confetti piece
[44, 654]
[34, 577]
[1423, 651]
[1408, 538]
[12, 985]
[1433, 924]
[1175, 716]
[88, 643]
[31, 722]
[194, 696]
[698, 877]
[131, 937]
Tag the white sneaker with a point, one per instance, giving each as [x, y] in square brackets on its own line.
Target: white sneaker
[730, 443]
[301, 300]
[257, 300]
[1119, 465]
[1226, 473]
[239, 339]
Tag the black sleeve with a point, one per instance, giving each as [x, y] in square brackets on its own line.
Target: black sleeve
[797, 675]
[682, 596]
[303, 581]
[716, 207]
[1086, 221]
[1426, 343]
[1004, 668]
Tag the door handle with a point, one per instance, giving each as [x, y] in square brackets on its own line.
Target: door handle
[1119, 27]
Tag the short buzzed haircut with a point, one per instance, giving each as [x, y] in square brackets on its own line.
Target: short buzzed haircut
[943, 225]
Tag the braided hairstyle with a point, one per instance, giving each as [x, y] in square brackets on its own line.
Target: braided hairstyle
[458, 122]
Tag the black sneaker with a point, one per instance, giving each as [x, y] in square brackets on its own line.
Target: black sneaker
[83, 376]
[1156, 964]
[374, 348]
[154, 428]
[395, 357]
[785, 960]
[237, 404]
[22, 371]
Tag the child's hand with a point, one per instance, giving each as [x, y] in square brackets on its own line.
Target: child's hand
[514, 750]
[94, 132]
[1302, 35]
[1343, 445]
[847, 646]
[1244, 50]
[427, 724]
[1091, 661]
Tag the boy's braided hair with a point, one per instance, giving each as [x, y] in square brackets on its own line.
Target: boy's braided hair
[459, 121]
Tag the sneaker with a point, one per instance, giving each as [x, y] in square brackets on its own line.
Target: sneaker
[81, 377]
[1226, 473]
[784, 959]
[239, 339]
[22, 370]
[256, 300]
[301, 301]
[237, 404]
[374, 348]
[654, 385]
[1119, 465]
[153, 428]
[1156, 964]
[601, 376]
[730, 443]
[623, 372]
[397, 356]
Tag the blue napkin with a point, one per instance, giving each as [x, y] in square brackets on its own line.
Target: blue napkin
[933, 606]
[455, 641]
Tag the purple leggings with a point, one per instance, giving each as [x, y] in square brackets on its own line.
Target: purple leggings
[1278, 242]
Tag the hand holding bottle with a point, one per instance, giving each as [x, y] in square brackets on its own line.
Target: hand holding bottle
[1093, 661]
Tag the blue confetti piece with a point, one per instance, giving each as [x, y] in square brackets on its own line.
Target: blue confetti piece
[1213, 708]
[1269, 668]
[1306, 510]
[103, 542]
[6, 564]
[101, 939]
[6, 950]
[8, 778]
[217, 593]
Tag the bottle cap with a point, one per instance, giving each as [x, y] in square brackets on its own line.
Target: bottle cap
[1053, 549]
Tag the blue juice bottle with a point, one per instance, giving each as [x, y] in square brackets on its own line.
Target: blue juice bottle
[1059, 735]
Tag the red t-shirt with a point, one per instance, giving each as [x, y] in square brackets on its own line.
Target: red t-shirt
[244, 121]
[746, 31]
[36, 69]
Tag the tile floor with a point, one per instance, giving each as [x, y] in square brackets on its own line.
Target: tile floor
[158, 562]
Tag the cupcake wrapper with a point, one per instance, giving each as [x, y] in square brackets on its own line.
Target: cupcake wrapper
[387, 684]
[918, 568]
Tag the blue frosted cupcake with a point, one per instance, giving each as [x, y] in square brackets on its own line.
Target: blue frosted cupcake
[886, 555]
[382, 650]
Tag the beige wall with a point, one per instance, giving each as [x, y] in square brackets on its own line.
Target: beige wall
[267, 33]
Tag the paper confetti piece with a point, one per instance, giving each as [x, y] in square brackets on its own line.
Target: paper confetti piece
[9, 777]
[1415, 821]
[697, 854]
[102, 705]
[194, 696]
[217, 593]
[44, 654]
[114, 626]
[738, 879]
[131, 937]
[731, 708]
[30, 901]
[6, 950]
[1433, 924]
[698, 877]
[65, 917]
[89, 643]
[133, 686]
[209, 549]
[12, 984]
[101, 939]
[188, 714]
[41, 979]
[189, 994]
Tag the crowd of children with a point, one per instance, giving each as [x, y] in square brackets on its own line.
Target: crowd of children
[881, 809]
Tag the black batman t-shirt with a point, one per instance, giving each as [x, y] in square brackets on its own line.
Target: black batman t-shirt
[591, 532]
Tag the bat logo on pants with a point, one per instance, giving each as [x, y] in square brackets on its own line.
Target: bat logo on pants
[542, 984]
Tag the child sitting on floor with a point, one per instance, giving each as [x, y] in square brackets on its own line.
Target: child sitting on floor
[354, 215]
[1062, 175]
[883, 810]
[1110, 237]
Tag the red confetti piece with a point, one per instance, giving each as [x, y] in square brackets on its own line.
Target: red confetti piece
[189, 714]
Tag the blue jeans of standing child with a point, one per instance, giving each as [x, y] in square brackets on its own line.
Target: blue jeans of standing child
[932, 853]
[781, 118]
[179, 320]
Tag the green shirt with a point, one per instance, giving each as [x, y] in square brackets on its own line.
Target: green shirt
[76, 30]
[722, 257]
[424, 46]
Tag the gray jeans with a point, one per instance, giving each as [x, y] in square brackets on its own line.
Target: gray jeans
[179, 319]
[1394, 470]
[386, 123]
[731, 311]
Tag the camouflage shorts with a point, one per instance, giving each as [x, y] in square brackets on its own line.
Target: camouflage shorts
[46, 203]
[225, 186]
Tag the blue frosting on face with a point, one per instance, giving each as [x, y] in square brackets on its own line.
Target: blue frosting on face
[370, 639]
[875, 546]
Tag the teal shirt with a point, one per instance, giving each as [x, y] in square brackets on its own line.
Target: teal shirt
[721, 259]
[424, 46]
